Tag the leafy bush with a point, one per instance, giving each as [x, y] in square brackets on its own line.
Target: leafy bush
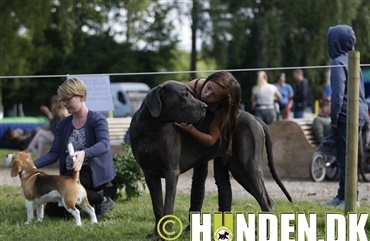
[128, 173]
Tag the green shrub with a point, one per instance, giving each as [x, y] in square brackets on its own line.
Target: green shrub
[128, 173]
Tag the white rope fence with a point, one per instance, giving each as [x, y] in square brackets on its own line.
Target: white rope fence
[177, 72]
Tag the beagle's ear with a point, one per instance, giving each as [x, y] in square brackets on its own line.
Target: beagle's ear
[153, 101]
[16, 168]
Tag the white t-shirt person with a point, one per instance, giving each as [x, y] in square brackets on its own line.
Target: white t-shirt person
[263, 97]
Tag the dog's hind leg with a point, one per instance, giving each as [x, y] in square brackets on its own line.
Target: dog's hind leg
[260, 193]
[76, 214]
[40, 212]
[155, 189]
[29, 207]
[85, 205]
[71, 208]
[252, 180]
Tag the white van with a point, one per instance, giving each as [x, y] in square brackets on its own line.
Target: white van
[127, 97]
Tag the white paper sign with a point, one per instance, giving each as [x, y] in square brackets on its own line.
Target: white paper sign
[99, 95]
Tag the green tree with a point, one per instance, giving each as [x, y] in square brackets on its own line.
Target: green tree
[263, 34]
[118, 36]
[361, 25]
[22, 24]
[81, 37]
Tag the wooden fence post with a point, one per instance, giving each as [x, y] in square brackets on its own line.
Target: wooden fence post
[352, 132]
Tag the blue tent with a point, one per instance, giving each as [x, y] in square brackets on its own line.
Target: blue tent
[24, 123]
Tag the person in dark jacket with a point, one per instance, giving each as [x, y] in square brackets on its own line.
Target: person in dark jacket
[89, 134]
[302, 93]
[341, 40]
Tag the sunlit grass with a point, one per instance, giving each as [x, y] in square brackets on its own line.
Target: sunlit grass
[134, 219]
[130, 220]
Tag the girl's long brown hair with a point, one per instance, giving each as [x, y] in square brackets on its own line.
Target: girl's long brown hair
[228, 112]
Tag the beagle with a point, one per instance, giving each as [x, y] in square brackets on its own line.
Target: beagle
[39, 188]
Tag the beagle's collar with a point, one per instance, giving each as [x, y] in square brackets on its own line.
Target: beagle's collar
[29, 178]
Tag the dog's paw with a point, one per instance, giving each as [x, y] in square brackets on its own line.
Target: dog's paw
[27, 223]
[94, 221]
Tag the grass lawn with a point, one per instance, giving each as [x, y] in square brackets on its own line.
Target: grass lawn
[130, 220]
[134, 219]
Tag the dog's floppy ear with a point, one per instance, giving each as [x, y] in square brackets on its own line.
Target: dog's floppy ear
[153, 100]
[16, 168]
[13, 161]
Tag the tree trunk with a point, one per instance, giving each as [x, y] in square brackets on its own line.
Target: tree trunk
[194, 28]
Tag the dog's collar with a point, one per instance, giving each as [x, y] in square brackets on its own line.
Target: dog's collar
[29, 178]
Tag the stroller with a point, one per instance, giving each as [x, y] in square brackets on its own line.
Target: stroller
[324, 164]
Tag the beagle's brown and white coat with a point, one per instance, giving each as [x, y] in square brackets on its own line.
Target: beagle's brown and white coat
[39, 188]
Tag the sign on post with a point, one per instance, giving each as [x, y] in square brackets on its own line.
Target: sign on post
[99, 96]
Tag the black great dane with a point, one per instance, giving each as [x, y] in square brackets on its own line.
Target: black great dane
[165, 151]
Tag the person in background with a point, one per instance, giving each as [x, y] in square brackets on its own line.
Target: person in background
[54, 100]
[321, 124]
[263, 98]
[302, 94]
[327, 91]
[45, 135]
[287, 93]
[88, 132]
[341, 40]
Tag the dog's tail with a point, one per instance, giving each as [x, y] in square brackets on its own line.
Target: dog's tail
[76, 176]
[270, 159]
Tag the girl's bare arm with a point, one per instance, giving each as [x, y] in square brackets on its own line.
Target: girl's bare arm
[206, 139]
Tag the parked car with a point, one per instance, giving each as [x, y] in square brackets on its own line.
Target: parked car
[127, 98]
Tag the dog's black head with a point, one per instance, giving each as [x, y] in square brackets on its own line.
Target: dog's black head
[174, 101]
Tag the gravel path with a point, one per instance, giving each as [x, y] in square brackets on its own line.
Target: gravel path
[299, 189]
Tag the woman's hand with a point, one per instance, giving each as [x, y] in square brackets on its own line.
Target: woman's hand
[187, 128]
[46, 112]
[44, 109]
[78, 157]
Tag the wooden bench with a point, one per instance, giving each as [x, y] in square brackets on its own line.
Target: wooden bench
[293, 144]
[306, 125]
[117, 129]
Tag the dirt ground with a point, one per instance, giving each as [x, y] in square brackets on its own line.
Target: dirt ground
[300, 190]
